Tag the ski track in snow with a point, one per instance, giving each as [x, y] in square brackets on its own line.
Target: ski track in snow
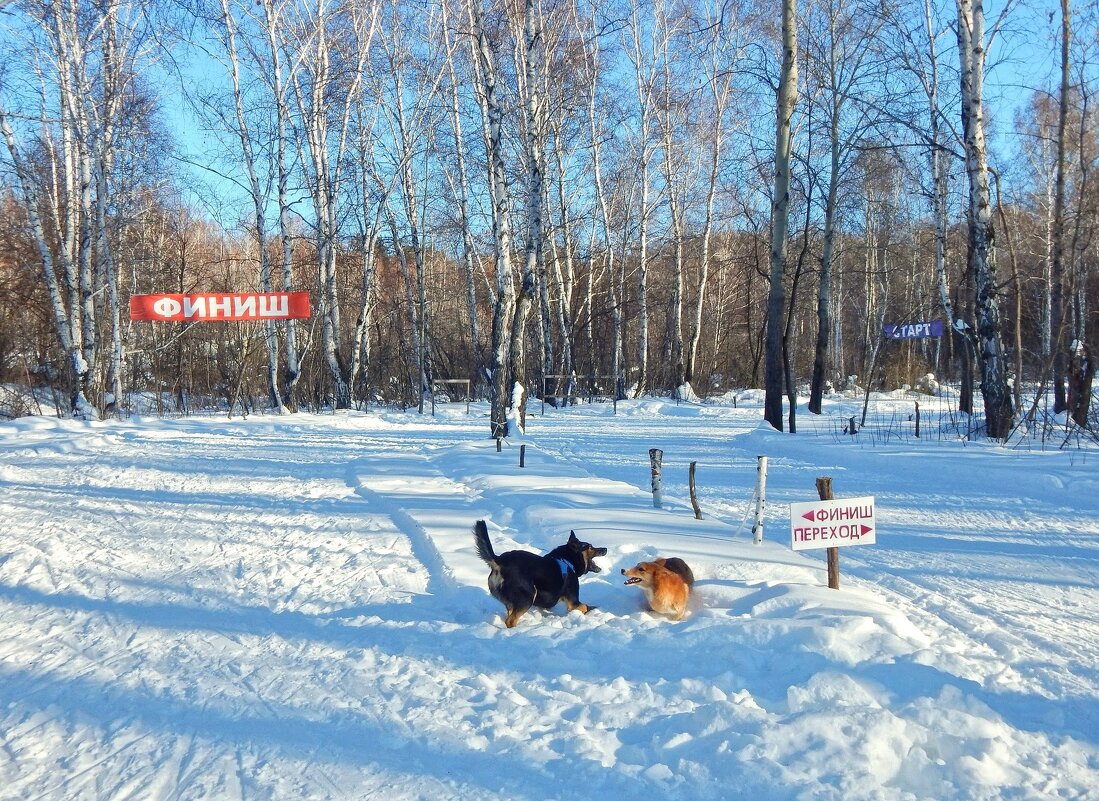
[293, 608]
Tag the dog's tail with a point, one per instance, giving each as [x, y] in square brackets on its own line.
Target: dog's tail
[484, 547]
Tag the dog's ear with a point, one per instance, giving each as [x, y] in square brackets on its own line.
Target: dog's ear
[573, 539]
[660, 561]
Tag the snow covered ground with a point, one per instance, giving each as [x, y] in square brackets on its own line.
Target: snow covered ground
[292, 608]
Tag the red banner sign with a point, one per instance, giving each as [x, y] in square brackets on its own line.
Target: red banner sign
[221, 306]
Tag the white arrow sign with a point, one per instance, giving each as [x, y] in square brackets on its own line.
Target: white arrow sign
[829, 524]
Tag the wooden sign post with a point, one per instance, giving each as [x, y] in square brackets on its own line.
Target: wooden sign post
[694, 491]
[824, 490]
[830, 523]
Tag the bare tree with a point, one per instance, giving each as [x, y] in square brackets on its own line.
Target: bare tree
[780, 209]
[84, 62]
[504, 308]
[532, 98]
[972, 50]
[671, 111]
[411, 84]
[331, 44]
[721, 49]
[842, 52]
[1057, 244]
[273, 20]
[598, 134]
[460, 188]
[258, 192]
[643, 60]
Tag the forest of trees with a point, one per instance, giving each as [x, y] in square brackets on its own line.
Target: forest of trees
[613, 197]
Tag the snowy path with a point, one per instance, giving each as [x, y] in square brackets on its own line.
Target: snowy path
[294, 609]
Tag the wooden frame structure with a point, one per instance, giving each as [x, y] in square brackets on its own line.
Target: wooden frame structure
[445, 382]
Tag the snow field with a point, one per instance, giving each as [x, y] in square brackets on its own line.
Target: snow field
[293, 608]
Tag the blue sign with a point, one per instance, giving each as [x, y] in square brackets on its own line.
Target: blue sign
[914, 330]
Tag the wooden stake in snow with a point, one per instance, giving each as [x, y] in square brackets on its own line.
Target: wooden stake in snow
[761, 498]
[655, 457]
[522, 455]
[824, 490]
[694, 494]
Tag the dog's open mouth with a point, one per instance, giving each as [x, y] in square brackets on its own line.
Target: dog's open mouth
[632, 580]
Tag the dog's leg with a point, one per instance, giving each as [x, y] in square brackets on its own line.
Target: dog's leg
[516, 612]
[570, 605]
[571, 595]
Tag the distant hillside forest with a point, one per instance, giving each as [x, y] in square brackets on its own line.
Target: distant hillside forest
[581, 198]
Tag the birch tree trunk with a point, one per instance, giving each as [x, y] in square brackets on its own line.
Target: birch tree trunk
[64, 26]
[461, 192]
[83, 59]
[720, 72]
[272, 22]
[780, 210]
[70, 346]
[673, 175]
[503, 310]
[368, 238]
[325, 100]
[534, 111]
[1057, 268]
[259, 201]
[644, 73]
[115, 54]
[564, 270]
[994, 388]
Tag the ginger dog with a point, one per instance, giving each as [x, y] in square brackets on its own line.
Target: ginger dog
[667, 584]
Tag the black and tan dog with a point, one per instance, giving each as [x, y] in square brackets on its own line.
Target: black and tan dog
[520, 579]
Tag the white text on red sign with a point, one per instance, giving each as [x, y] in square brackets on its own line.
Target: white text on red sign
[221, 306]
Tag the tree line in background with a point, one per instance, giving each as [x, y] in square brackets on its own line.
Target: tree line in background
[559, 197]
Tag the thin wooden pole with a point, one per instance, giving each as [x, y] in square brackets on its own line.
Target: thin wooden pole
[522, 455]
[824, 490]
[694, 494]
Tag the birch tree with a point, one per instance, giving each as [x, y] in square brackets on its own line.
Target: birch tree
[1057, 243]
[243, 130]
[460, 186]
[721, 50]
[332, 44]
[273, 22]
[972, 51]
[780, 210]
[82, 62]
[641, 52]
[598, 134]
[841, 50]
[408, 96]
[532, 98]
[680, 170]
[504, 308]
[919, 55]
